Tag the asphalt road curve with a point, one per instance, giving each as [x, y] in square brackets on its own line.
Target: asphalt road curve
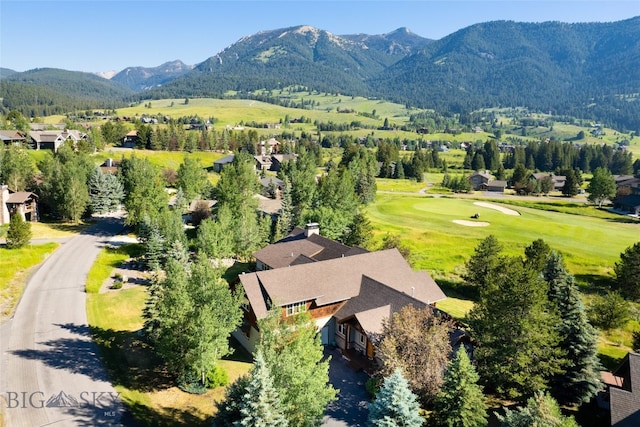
[50, 371]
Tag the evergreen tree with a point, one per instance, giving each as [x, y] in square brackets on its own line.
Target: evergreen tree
[570, 187]
[485, 257]
[460, 402]
[628, 272]
[515, 327]
[19, 232]
[360, 231]
[260, 405]
[580, 380]
[285, 219]
[228, 409]
[294, 355]
[395, 404]
[536, 255]
[105, 192]
[154, 253]
[541, 410]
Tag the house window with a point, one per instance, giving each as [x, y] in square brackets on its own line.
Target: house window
[296, 308]
[341, 328]
[361, 338]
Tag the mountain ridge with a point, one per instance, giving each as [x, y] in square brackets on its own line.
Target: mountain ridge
[575, 69]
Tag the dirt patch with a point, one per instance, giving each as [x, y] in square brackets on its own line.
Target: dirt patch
[471, 223]
[132, 271]
[505, 211]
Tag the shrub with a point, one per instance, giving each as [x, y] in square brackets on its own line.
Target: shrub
[190, 383]
[610, 311]
[19, 232]
[117, 284]
[217, 378]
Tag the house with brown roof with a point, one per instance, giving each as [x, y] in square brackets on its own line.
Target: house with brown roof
[624, 392]
[9, 137]
[348, 292]
[23, 203]
[480, 179]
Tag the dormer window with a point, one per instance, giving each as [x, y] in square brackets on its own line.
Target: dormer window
[296, 308]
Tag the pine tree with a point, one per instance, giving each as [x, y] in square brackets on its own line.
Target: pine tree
[19, 232]
[395, 404]
[460, 402]
[628, 272]
[154, 253]
[580, 380]
[261, 405]
[515, 326]
[286, 218]
[228, 409]
[105, 191]
[541, 410]
[483, 260]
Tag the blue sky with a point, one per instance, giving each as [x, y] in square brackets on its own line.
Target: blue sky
[100, 35]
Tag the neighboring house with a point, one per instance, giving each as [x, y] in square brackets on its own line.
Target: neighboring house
[273, 162]
[496, 186]
[22, 203]
[268, 206]
[266, 148]
[53, 139]
[627, 184]
[9, 137]
[269, 181]
[628, 204]
[624, 392]
[479, 180]
[557, 180]
[109, 166]
[347, 291]
[219, 164]
[131, 139]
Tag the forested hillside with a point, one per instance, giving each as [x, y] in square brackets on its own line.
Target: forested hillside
[581, 70]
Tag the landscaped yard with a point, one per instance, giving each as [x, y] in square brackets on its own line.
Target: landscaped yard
[115, 317]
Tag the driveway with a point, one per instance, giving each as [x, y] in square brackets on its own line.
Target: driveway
[351, 408]
[50, 372]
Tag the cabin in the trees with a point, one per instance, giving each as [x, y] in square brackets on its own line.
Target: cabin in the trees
[131, 139]
[557, 180]
[348, 291]
[21, 203]
[220, 164]
[628, 204]
[479, 180]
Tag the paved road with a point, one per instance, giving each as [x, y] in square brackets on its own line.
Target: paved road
[50, 372]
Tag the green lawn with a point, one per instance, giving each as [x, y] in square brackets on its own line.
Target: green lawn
[162, 159]
[148, 390]
[590, 245]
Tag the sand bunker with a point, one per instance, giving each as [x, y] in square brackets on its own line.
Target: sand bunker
[505, 211]
[471, 223]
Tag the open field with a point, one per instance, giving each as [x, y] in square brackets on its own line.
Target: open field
[149, 392]
[438, 245]
[162, 159]
[15, 266]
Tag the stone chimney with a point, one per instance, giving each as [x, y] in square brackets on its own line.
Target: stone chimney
[312, 228]
[4, 211]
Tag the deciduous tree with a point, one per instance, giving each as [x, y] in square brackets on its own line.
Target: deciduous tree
[601, 187]
[294, 355]
[404, 346]
[192, 178]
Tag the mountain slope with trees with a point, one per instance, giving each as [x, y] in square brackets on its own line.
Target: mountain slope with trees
[139, 79]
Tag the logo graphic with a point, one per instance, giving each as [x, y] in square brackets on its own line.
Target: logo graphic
[62, 400]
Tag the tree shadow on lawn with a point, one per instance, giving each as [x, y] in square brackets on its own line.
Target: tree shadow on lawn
[458, 289]
[593, 284]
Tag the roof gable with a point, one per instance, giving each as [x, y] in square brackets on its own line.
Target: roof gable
[339, 279]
